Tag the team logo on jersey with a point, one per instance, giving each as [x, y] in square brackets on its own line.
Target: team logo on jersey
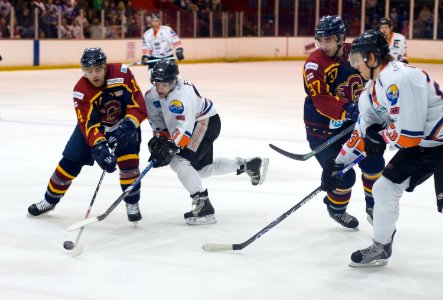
[156, 104]
[118, 93]
[78, 95]
[176, 106]
[180, 117]
[110, 112]
[311, 66]
[396, 43]
[124, 68]
[392, 94]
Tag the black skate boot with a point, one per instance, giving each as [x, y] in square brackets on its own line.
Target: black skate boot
[375, 255]
[133, 211]
[344, 219]
[370, 214]
[203, 211]
[40, 208]
[255, 167]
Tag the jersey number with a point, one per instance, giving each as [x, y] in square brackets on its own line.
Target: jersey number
[314, 87]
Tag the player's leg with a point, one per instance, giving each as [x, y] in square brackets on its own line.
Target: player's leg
[371, 168]
[128, 164]
[75, 155]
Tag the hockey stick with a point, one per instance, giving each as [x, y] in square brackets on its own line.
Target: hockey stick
[113, 205]
[229, 247]
[69, 245]
[320, 148]
[150, 61]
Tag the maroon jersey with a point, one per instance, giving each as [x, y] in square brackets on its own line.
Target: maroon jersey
[99, 109]
[329, 84]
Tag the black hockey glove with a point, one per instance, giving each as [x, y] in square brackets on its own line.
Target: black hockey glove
[104, 158]
[122, 134]
[352, 111]
[374, 142]
[145, 59]
[329, 181]
[179, 53]
[163, 153]
[153, 143]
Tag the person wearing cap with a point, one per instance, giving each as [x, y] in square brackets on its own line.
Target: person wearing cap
[397, 41]
[159, 42]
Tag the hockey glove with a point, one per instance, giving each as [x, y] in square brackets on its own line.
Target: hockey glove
[179, 53]
[329, 181]
[145, 59]
[101, 154]
[153, 144]
[374, 142]
[352, 111]
[163, 153]
[122, 134]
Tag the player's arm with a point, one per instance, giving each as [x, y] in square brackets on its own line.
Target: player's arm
[409, 109]
[88, 119]
[325, 102]
[136, 107]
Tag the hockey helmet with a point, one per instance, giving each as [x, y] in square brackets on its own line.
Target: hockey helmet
[330, 25]
[370, 41]
[155, 17]
[385, 21]
[166, 70]
[93, 57]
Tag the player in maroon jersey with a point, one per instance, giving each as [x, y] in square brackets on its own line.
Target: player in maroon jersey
[109, 107]
[333, 87]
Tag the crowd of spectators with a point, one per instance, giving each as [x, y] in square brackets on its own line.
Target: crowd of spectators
[63, 18]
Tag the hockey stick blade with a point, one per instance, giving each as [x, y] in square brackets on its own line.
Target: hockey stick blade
[228, 247]
[218, 247]
[82, 223]
[113, 205]
[317, 150]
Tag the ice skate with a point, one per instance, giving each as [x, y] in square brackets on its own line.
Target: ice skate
[203, 211]
[375, 255]
[133, 211]
[40, 208]
[344, 219]
[256, 168]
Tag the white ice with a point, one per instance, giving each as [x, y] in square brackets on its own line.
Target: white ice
[304, 257]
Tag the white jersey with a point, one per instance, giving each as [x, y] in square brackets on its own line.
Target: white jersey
[397, 46]
[160, 43]
[177, 114]
[407, 101]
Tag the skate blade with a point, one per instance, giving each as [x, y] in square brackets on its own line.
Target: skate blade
[264, 170]
[375, 263]
[209, 219]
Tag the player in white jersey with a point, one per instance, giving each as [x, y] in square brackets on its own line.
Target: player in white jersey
[397, 41]
[185, 126]
[403, 107]
[159, 42]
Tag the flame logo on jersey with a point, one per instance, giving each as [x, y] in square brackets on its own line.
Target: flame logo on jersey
[351, 89]
[176, 106]
[110, 112]
[392, 94]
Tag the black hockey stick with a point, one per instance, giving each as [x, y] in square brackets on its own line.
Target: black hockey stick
[229, 247]
[113, 205]
[320, 148]
[149, 61]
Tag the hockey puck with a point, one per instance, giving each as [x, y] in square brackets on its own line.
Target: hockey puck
[68, 245]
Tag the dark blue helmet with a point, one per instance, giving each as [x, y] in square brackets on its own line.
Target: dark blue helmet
[371, 41]
[330, 25]
[385, 21]
[165, 70]
[93, 57]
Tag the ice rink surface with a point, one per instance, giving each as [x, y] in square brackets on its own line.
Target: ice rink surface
[304, 257]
